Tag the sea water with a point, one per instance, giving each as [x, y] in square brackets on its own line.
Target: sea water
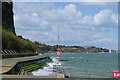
[89, 65]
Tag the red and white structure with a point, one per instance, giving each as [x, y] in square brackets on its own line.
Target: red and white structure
[116, 74]
[58, 53]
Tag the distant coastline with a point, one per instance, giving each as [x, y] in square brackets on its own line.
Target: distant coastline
[82, 49]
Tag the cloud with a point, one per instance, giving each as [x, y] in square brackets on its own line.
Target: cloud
[99, 0]
[41, 20]
[35, 14]
[67, 13]
[65, 0]
[106, 18]
[102, 40]
[95, 3]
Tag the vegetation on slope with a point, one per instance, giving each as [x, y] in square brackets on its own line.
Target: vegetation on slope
[21, 45]
[12, 42]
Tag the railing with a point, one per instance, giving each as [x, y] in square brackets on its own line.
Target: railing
[14, 51]
[9, 54]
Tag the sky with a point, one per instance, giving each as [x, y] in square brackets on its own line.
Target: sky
[80, 23]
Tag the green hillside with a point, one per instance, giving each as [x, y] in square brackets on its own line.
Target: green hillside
[12, 42]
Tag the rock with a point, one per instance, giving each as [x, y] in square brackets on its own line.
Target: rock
[7, 16]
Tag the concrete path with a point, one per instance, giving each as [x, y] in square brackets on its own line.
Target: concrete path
[9, 63]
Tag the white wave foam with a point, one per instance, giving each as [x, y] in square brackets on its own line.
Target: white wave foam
[48, 69]
[72, 57]
[57, 57]
[80, 57]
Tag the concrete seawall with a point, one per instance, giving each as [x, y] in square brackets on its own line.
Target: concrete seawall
[16, 63]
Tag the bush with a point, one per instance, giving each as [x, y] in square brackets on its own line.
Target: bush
[11, 42]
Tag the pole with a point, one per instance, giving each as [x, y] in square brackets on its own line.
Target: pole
[58, 38]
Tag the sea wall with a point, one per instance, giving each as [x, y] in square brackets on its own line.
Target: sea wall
[22, 67]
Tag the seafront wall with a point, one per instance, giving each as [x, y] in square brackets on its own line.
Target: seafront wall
[22, 65]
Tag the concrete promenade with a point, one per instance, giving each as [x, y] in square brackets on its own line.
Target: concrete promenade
[9, 63]
[51, 77]
[32, 76]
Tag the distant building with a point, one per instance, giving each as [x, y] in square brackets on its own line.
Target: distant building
[110, 50]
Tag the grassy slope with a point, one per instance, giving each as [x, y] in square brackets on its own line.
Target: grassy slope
[11, 42]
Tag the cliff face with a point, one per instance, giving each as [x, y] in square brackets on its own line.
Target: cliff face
[7, 16]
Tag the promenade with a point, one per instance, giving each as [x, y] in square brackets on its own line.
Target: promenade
[9, 63]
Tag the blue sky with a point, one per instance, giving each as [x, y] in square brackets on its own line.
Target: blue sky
[81, 23]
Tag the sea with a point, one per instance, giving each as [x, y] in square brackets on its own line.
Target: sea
[88, 65]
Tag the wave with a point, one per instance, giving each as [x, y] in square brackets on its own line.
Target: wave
[72, 57]
[57, 57]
